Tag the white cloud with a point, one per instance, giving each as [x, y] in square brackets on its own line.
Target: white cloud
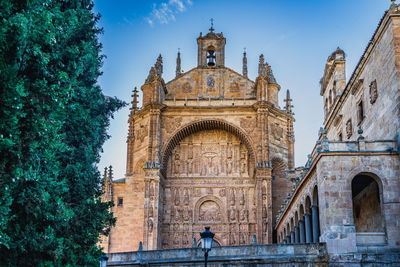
[166, 11]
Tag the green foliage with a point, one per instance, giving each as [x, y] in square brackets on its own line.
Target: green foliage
[53, 121]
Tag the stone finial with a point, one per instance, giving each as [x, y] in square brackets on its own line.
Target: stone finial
[134, 100]
[393, 4]
[261, 66]
[269, 73]
[360, 132]
[178, 65]
[140, 246]
[152, 74]
[244, 72]
[288, 102]
[159, 66]
[105, 174]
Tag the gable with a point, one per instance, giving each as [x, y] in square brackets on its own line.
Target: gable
[210, 82]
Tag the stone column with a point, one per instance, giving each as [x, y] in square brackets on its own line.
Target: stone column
[291, 237]
[308, 228]
[315, 223]
[302, 232]
[296, 235]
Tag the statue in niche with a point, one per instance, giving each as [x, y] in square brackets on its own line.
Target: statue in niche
[232, 240]
[186, 197]
[263, 190]
[244, 215]
[241, 201]
[177, 201]
[265, 225]
[242, 238]
[254, 211]
[177, 214]
[189, 166]
[187, 214]
[232, 197]
[243, 166]
[150, 225]
[185, 240]
[177, 165]
[229, 151]
[264, 211]
[190, 151]
[229, 166]
[232, 214]
[259, 151]
[151, 189]
[176, 239]
[151, 211]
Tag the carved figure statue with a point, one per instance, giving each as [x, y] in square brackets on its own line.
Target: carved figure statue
[150, 224]
[232, 197]
[177, 197]
[186, 197]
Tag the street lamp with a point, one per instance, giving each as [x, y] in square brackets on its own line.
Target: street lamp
[103, 260]
[206, 242]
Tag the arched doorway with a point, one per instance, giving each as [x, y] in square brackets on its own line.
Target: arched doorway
[367, 209]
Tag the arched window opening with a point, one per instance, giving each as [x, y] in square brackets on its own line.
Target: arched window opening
[211, 57]
[366, 204]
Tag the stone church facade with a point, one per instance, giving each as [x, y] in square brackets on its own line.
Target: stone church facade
[209, 148]
[212, 147]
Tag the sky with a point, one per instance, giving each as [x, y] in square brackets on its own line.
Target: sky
[296, 37]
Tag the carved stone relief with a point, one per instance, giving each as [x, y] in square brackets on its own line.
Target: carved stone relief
[141, 132]
[373, 92]
[171, 124]
[349, 128]
[186, 88]
[211, 153]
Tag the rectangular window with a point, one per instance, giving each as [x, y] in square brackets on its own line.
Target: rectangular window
[120, 201]
[360, 112]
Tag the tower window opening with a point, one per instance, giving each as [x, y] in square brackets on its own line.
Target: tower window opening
[211, 58]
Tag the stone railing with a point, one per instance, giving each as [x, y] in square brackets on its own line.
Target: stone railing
[276, 254]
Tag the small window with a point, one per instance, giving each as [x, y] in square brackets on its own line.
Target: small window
[360, 112]
[120, 202]
[340, 137]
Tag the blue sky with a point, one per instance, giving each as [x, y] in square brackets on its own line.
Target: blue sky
[295, 37]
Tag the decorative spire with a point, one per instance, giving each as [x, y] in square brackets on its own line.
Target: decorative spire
[212, 25]
[288, 102]
[159, 66]
[110, 173]
[105, 174]
[393, 4]
[244, 63]
[134, 101]
[270, 74]
[261, 66]
[178, 65]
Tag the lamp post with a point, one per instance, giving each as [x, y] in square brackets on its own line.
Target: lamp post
[206, 242]
[103, 260]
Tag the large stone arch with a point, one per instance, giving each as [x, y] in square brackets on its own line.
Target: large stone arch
[201, 125]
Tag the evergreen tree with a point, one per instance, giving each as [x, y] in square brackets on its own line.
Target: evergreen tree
[53, 121]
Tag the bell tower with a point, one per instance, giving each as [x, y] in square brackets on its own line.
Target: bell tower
[211, 49]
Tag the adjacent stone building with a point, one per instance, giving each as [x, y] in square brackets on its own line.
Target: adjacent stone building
[209, 148]
[348, 194]
[213, 148]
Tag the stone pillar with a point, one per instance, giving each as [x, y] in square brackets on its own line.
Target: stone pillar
[302, 232]
[315, 223]
[296, 235]
[291, 237]
[308, 228]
